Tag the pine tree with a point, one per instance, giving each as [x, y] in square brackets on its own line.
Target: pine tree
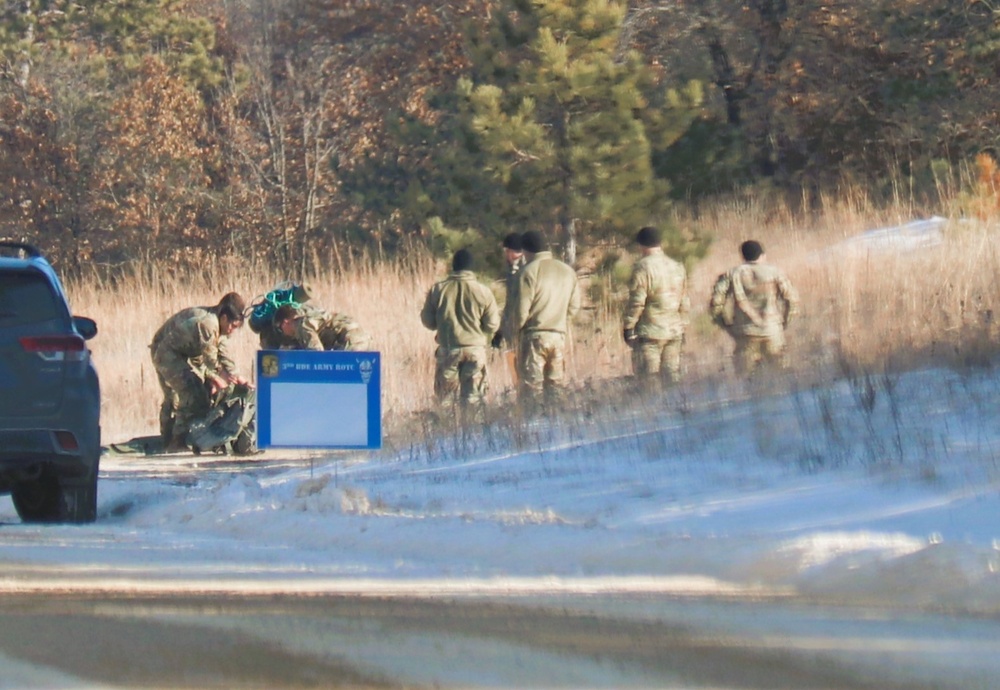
[567, 121]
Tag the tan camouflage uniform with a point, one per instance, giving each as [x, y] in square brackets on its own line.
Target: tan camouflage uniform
[547, 298]
[763, 301]
[464, 313]
[185, 349]
[322, 330]
[657, 311]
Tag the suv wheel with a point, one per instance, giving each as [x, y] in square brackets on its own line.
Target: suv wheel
[39, 500]
[46, 500]
[80, 501]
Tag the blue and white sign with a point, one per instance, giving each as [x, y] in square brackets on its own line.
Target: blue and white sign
[312, 399]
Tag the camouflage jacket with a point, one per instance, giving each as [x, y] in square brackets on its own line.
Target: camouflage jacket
[761, 298]
[547, 296]
[323, 330]
[191, 338]
[462, 310]
[658, 302]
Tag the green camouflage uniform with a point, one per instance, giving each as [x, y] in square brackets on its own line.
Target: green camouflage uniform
[185, 350]
[321, 330]
[763, 301]
[657, 311]
[547, 298]
[464, 313]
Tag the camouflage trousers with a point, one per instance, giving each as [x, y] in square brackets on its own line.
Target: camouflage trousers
[185, 399]
[543, 367]
[657, 361]
[460, 376]
[752, 351]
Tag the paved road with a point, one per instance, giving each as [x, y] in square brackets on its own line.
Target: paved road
[110, 640]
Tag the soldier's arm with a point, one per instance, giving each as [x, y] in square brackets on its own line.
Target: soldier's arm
[637, 293]
[790, 297]
[209, 340]
[226, 363]
[685, 302]
[720, 292]
[574, 298]
[208, 344]
[525, 296]
[428, 315]
[490, 321]
[308, 336]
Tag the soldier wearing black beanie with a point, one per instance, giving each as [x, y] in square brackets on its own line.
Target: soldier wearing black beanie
[533, 242]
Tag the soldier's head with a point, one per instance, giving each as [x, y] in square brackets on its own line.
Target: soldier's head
[649, 238]
[512, 248]
[230, 311]
[533, 242]
[751, 250]
[285, 318]
[462, 261]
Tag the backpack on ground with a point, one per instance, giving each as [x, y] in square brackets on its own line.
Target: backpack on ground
[231, 424]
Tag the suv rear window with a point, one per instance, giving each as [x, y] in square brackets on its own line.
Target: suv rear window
[26, 298]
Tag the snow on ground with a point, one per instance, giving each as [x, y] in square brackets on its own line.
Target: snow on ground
[807, 494]
[880, 492]
[914, 235]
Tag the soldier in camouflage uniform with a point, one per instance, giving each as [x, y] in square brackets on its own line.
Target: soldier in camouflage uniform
[464, 313]
[271, 337]
[762, 303]
[547, 299]
[192, 363]
[657, 312]
[309, 328]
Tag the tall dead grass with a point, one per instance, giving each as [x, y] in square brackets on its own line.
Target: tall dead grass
[868, 307]
[861, 310]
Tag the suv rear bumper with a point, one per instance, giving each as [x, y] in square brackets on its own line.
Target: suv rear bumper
[21, 443]
[24, 451]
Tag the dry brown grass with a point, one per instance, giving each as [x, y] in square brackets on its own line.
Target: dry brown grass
[863, 309]
[860, 311]
[384, 299]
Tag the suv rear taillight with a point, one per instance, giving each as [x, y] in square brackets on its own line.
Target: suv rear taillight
[56, 348]
[67, 441]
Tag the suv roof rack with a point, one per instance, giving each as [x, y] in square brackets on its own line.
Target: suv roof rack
[30, 250]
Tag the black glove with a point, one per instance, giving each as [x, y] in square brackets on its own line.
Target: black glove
[629, 335]
[497, 340]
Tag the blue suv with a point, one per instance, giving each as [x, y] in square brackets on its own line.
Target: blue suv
[50, 399]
